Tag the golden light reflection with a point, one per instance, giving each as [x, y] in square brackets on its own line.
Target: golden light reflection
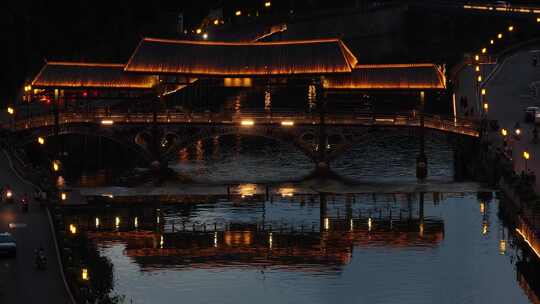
[247, 190]
[97, 222]
[369, 223]
[84, 274]
[63, 196]
[326, 223]
[351, 225]
[215, 239]
[161, 242]
[482, 207]
[247, 123]
[136, 222]
[56, 165]
[287, 191]
[270, 240]
[485, 228]
[117, 222]
[502, 247]
[421, 229]
[312, 96]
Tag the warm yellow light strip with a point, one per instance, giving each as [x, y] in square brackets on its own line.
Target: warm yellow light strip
[528, 242]
[395, 65]
[227, 43]
[86, 64]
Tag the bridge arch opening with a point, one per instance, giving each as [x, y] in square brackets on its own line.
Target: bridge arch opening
[83, 154]
[241, 158]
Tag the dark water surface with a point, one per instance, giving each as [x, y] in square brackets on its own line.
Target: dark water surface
[310, 248]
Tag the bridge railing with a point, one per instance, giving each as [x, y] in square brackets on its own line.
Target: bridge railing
[454, 125]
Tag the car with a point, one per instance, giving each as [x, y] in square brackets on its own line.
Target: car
[530, 113]
[8, 245]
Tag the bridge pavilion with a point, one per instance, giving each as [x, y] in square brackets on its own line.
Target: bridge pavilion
[179, 70]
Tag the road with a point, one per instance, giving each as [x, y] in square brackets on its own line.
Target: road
[508, 95]
[20, 282]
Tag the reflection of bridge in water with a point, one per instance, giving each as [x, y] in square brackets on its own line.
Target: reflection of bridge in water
[154, 238]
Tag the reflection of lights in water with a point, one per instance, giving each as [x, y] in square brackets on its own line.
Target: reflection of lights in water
[184, 155]
[326, 223]
[247, 190]
[237, 104]
[482, 207]
[286, 192]
[157, 219]
[161, 242]
[484, 227]
[421, 230]
[215, 239]
[136, 222]
[60, 182]
[108, 195]
[199, 150]
[97, 222]
[502, 247]
[267, 100]
[270, 240]
[369, 224]
[84, 274]
[215, 148]
[351, 225]
[312, 96]
[117, 222]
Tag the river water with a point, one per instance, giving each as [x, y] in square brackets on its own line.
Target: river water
[292, 247]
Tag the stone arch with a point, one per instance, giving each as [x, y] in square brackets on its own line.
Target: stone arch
[281, 135]
[88, 130]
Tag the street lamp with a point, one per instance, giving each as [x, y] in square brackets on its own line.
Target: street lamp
[486, 107]
[504, 132]
[10, 110]
[41, 140]
[479, 78]
[477, 68]
[484, 50]
[267, 4]
[500, 35]
[511, 28]
[483, 92]
[492, 41]
[526, 156]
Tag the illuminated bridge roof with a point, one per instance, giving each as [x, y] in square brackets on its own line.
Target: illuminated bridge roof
[221, 59]
[389, 76]
[90, 75]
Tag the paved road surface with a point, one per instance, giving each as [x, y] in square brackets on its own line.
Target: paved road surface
[20, 282]
[508, 94]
